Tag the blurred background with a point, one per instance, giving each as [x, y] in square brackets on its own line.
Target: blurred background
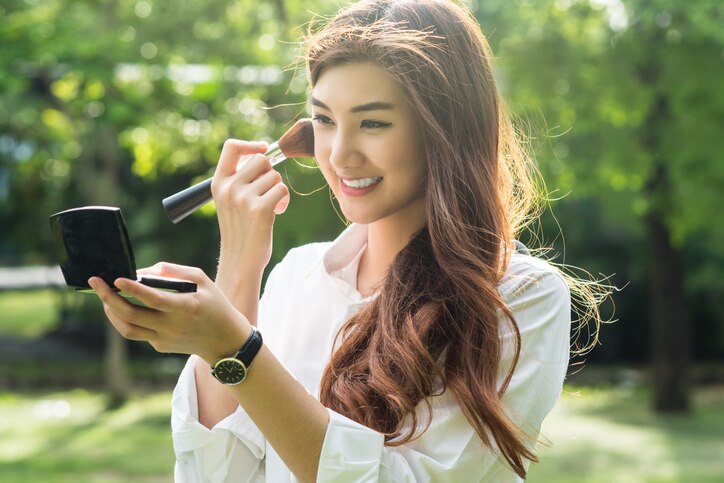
[124, 102]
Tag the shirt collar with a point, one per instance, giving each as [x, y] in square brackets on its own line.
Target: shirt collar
[348, 247]
[341, 260]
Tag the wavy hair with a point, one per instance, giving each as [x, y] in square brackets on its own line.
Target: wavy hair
[436, 323]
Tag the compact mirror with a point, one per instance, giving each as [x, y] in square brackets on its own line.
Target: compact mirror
[93, 241]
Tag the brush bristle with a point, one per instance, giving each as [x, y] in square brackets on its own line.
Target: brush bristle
[298, 141]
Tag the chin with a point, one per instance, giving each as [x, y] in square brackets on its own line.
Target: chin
[360, 219]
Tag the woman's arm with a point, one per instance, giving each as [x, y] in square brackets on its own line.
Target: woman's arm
[215, 401]
[314, 442]
[234, 450]
[291, 419]
[245, 251]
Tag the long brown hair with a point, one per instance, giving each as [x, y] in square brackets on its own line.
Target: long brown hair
[436, 325]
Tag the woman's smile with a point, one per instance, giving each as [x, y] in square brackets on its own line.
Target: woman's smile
[359, 186]
[368, 144]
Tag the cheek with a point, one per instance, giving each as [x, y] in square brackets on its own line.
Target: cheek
[325, 168]
[408, 165]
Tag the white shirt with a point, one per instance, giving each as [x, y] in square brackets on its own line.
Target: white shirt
[307, 298]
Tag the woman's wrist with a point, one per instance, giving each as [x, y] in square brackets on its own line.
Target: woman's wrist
[228, 345]
[242, 289]
[239, 261]
[234, 282]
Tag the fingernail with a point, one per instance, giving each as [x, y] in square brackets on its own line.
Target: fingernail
[92, 282]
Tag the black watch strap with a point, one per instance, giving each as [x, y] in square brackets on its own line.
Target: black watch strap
[250, 349]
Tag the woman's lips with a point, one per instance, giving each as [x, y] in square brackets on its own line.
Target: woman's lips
[365, 185]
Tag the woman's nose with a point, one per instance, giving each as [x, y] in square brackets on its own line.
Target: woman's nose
[345, 152]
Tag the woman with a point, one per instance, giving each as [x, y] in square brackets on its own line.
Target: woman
[418, 346]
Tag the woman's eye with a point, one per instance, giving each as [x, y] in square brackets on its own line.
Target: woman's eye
[375, 124]
[321, 119]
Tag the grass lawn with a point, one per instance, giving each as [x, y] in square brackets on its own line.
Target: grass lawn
[597, 434]
[70, 437]
[28, 313]
[610, 435]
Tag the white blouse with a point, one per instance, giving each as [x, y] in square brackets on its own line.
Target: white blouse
[307, 298]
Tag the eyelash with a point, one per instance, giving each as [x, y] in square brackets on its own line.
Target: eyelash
[321, 119]
[368, 124]
[375, 124]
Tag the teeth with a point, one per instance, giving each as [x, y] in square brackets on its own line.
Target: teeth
[361, 183]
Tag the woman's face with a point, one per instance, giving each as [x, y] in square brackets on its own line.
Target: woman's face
[368, 145]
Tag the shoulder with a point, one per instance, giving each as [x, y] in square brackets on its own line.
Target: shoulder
[298, 261]
[528, 276]
[305, 255]
[538, 297]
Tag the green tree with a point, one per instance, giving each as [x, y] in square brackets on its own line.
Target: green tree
[125, 102]
[628, 91]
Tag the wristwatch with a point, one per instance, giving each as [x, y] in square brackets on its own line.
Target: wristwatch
[233, 370]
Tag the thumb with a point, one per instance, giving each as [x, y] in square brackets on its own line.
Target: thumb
[172, 270]
[282, 206]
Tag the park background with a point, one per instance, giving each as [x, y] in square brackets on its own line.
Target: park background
[123, 102]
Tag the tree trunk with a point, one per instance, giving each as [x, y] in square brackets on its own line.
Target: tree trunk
[118, 381]
[669, 325]
[117, 378]
[670, 331]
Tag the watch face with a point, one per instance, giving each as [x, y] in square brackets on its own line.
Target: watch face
[230, 371]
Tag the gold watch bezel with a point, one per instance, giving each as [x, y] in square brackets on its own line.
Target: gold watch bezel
[236, 362]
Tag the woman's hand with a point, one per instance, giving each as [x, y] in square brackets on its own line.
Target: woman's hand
[248, 194]
[203, 322]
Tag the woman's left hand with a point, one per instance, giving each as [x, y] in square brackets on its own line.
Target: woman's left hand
[202, 322]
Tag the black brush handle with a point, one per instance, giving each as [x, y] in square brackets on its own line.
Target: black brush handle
[183, 203]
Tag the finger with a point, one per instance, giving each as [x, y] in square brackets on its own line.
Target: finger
[110, 298]
[155, 269]
[152, 298]
[282, 206]
[265, 182]
[173, 270]
[233, 150]
[120, 308]
[129, 330]
[274, 196]
[254, 167]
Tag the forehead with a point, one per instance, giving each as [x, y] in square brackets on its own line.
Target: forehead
[350, 84]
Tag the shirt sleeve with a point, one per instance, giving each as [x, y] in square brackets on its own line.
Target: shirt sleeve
[232, 451]
[450, 450]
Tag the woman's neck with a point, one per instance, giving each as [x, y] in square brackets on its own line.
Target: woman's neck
[385, 239]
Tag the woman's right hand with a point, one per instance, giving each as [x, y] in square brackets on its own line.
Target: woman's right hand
[248, 194]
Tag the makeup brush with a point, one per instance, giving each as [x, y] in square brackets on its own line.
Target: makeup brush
[297, 142]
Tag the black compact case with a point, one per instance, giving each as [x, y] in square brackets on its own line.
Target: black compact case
[93, 241]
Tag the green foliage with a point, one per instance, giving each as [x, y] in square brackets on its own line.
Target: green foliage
[125, 102]
[624, 87]
[624, 106]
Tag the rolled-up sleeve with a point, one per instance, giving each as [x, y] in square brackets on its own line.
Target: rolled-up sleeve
[235, 449]
[232, 451]
[450, 450]
[542, 309]
[351, 451]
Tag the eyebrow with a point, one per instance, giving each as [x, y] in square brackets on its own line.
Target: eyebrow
[370, 106]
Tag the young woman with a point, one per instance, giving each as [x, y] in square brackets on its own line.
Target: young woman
[418, 346]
